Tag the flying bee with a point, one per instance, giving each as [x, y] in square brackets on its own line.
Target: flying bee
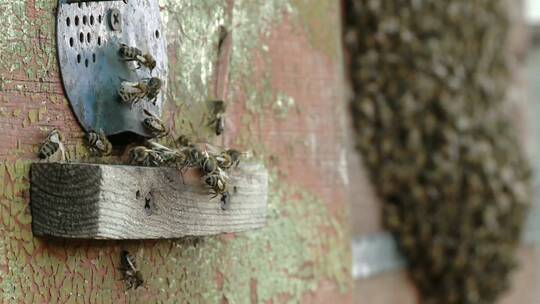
[217, 183]
[142, 155]
[51, 145]
[218, 108]
[132, 92]
[99, 144]
[128, 53]
[131, 275]
[155, 125]
[229, 158]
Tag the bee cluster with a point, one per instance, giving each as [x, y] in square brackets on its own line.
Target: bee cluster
[213, 164]
[429, 80]
[133, 92]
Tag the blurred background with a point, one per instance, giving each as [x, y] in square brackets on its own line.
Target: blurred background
[496, 100]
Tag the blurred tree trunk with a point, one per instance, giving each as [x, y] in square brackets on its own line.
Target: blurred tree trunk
[436, 113]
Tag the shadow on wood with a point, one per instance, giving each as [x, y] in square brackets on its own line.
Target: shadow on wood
[94, 201]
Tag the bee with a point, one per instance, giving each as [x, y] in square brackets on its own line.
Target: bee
[131, 275]
[99, 144]
[169, 156]
[128, 53]
[155, 125]
[217, 183]
[218, 111]
[194, 156]
[229, 158]
[154, 86]
[225, 200]
[51, 145]
[208, 163]
[142, 155]
[132, 92]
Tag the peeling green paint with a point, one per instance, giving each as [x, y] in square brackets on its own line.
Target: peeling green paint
[28, 43]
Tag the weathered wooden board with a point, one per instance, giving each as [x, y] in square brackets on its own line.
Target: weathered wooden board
[127, 202]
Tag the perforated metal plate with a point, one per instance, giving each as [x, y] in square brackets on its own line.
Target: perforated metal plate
[90, 65]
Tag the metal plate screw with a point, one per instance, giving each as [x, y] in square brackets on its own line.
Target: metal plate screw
[115, 19]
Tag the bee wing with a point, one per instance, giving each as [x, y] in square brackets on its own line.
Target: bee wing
[212, 149]
[131, 265]
[222, 174]
[141, 58]
[132, 87]
[159, 147]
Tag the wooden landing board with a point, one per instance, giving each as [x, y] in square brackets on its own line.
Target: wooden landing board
[94, 201]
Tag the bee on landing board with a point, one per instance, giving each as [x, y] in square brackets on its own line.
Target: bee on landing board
[169, 156]
[98, 143]
[216, 182]
[131, 276]
[144, 156]
[128, 54]
[225, 201]
[133, 92]
[52, 145]
[228, 158]
[208, 163]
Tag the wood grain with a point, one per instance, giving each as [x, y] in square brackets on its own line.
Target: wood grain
[94, 201]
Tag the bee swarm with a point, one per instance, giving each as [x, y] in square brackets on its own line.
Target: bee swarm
[429, 80]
